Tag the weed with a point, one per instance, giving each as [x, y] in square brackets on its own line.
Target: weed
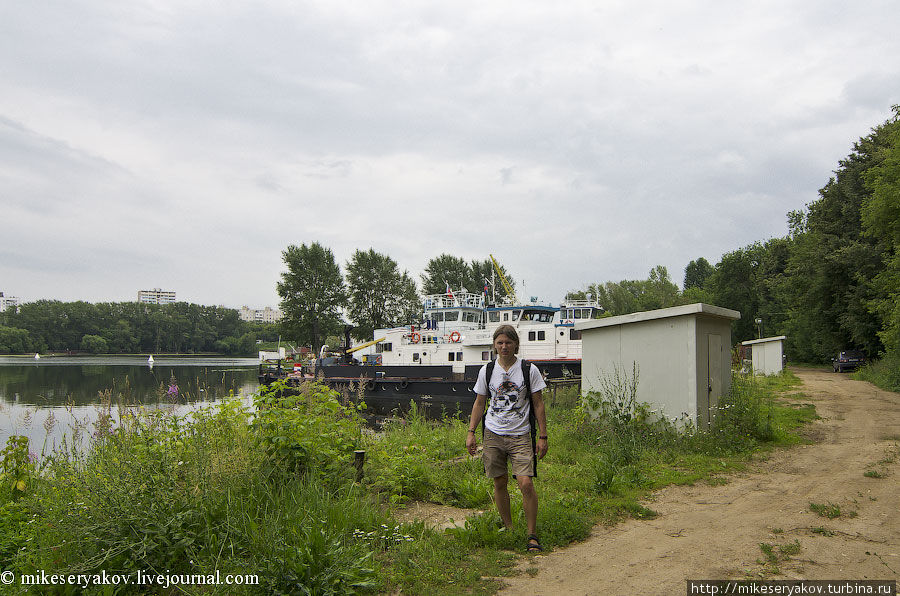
[873, 474]
[790, 549]
[829, 510]
[823, 531]
[769, 551]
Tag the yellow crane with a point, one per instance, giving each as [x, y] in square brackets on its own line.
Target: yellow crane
[506, 285]
[365, 345]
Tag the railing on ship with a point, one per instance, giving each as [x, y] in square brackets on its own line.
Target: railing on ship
[454, 300]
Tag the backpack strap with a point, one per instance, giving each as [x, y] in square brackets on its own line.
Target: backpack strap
[488, 372]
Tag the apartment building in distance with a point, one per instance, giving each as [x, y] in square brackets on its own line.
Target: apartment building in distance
[261, 315]
[10, 302]
[156, 296]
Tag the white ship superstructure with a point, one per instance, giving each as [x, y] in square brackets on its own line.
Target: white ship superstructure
[457, 330]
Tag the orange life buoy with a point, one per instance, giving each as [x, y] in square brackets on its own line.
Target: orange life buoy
[454, 337]
[414, 338]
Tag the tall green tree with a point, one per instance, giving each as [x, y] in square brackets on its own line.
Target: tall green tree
[832, 263]
[448, 269]
[696, 273]
[445, 269]
[312, 293]
[380, 295]
[747, 280]
[881, 221]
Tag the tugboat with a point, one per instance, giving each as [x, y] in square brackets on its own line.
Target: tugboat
[435, 361]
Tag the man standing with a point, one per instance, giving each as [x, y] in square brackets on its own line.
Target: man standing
[512, 418]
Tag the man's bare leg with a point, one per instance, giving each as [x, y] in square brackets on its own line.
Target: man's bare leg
[529, 502]
[501, 497]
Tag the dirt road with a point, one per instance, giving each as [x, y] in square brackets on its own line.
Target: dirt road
[715, 532]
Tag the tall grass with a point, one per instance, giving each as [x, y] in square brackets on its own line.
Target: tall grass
[884, 373]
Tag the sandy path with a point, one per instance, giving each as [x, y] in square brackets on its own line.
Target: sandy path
[714, 532]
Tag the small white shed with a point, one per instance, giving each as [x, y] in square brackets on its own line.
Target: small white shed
[683, 355]
[767, 354]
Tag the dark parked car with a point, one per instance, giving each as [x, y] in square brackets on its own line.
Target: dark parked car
[848, 360]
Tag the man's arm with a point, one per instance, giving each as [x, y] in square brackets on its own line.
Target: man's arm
[477, 413]
[540, 413]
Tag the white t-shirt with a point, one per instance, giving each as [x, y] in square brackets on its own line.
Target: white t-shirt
[508, 406]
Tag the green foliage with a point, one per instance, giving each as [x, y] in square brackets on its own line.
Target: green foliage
[880, 215]
[306, 539]
[312, 293]
[380, 295]
[628, 296]
[16, 467]
[421, 459]
[696, 273]
[448, 269]
[884, 373]
[748, 280]
[119, 327]
[16, 341]
[305, 429]
[829, 510]
[94, 344]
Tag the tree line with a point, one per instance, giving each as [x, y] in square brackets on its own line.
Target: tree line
[127, 328]
[832, 283]
[373, 293]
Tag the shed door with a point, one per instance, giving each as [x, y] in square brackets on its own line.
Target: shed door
[714, 374]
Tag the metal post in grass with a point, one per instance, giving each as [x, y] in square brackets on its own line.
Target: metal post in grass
[359, 459]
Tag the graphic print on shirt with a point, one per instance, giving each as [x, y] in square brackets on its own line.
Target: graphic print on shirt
[506, 405]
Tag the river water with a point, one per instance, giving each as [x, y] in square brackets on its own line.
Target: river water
[46, 398]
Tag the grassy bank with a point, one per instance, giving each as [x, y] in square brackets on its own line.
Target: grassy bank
[884, 373]
[274, 494]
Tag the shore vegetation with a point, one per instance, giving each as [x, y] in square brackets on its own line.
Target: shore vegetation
[272, 489]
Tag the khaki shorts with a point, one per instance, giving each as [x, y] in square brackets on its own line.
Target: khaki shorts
[499, 448]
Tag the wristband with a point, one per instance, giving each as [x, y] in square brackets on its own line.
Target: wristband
[544, 437]
[471, 431]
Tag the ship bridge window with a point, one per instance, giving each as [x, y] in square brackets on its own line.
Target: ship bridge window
[452, 315]
[537, 315]
[383, 347]
[537, 336]
[516, 314]
[573, 334]
[494, 316]
[437, 317]
[450, 356]
[471, 317]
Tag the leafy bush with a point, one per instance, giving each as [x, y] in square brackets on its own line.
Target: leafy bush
[305, 429]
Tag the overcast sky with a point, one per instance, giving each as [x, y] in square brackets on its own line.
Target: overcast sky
[184, 144]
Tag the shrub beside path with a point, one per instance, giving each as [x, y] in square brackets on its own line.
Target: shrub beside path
[716, 532]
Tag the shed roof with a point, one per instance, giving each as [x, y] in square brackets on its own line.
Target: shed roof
[763, 340]
[662, 313]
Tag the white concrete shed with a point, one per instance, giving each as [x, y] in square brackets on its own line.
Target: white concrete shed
[683, 355]
[767, 354]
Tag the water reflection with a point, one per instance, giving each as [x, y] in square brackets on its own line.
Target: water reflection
[45, 399]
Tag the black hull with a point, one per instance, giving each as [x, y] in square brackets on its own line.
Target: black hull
[436, 390]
